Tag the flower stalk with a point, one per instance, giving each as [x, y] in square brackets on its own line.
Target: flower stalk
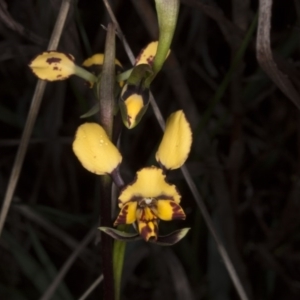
[105, 93]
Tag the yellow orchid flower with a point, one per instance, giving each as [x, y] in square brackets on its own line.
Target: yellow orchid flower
[146, 200]
[53, 66]
[94, 149]
[149, 198]
[134, 98]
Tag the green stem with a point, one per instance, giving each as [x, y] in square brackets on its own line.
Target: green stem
[118, 259]
[124, 76]
[86, 75]
[106, 241]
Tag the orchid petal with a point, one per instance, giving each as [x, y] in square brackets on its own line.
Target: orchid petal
[168, 210]
[127, 214]
[150, 182]
[94, 149]
[176, 142]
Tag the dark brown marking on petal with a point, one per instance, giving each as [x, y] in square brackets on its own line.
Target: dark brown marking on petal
[164, 197]
[53, 60]
[136, 198]
[164, 169]
[55, 68]
[133, 199]
[150, 60]
[129, 120]
[143, 217]
[156, 229]
[138, 57]
[69, 56]
[121, 219]
[130, 90]
[146, 232]
[177, 211]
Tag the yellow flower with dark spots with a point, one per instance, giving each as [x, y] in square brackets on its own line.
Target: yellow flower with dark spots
[148, 199]
[52, 65]
[147, 55]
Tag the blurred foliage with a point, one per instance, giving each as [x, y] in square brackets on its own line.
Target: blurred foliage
[245, 158]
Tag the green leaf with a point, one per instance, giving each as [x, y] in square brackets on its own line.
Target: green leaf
[172, 238]
[139, 74]
[95, 109]
[120, 235]
[167, 13]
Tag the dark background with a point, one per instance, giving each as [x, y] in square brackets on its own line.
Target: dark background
[244, 159]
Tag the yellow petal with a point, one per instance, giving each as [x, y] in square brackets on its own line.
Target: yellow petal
[145, 214]
[97, 59]
[148, 230]
[94, 149]
[176, 142]
[147, 54]
[168, 210]
[53, 66]
[134, 105]
[149, 183]
[127, 214]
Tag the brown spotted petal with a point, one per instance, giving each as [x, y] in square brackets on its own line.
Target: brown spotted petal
[148, 199]
[52, 65]
[147, 54]
[127, 214]
[168, 210]
[148, 229]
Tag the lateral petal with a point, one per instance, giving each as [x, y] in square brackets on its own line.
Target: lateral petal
[127, 214]
[94, 149]
[176, 142]
[168, 210]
